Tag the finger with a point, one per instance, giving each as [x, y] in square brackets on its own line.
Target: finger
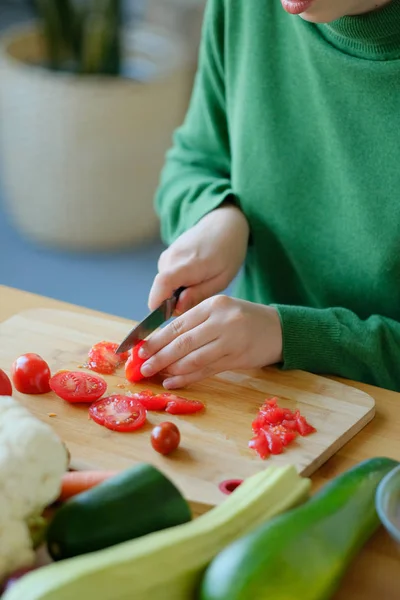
[179, 326]
[198, 359]
[181, 381]
[195, 294]
[166, 282]
[178, 348]
[163, 287]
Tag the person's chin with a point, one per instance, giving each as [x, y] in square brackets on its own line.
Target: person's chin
[315, 16]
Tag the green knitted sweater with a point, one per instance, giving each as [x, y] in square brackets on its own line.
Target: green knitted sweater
[300, 123]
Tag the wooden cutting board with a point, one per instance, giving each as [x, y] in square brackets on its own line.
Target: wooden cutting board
[214, 443]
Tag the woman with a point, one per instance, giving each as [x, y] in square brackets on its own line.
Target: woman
[288, 161]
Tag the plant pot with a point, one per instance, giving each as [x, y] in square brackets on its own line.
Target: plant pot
[81, 156]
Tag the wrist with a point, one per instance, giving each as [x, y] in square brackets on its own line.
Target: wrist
[273, 336]
[229, 210]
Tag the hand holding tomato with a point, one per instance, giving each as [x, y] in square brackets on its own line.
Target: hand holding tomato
[219, 334]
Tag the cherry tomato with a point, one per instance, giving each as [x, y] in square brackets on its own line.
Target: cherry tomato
[151, 401]
[77, 386]
[181, 406]
[165, 438]
[31, 374]
[118, 413]
[103, 359]
[134, 364]
[5, 384]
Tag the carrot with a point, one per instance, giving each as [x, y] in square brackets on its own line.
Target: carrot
[75, 482]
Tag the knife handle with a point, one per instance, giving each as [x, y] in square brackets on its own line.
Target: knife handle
[178, 292]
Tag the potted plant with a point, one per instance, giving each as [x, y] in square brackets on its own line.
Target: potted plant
[88, 106]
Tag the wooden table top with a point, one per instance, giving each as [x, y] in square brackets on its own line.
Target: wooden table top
[375, 573]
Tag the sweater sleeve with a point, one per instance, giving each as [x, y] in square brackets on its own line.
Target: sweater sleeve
[336, 341]
[196, 176]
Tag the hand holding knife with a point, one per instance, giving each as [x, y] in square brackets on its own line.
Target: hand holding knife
[152, 322]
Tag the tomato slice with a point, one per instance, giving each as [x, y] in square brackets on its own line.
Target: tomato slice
[5, 384]
[181, 406]
[103, 359]
[118, 413]
[31, 374]
[76, 387]
[151, 401]
[134, 364]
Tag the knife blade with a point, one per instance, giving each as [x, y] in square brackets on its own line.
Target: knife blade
[152, 322]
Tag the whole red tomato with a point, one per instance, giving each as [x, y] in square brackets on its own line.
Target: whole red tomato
[31, 374]
[5, 384]
[165, 437]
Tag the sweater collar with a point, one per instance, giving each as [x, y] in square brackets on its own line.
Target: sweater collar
[374, 35]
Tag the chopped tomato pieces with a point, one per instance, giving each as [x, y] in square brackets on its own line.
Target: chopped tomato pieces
[276, 427]
[134, 364]
[103, 358]
[118, 413]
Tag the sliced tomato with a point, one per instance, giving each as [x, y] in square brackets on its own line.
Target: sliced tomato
[259, 443]
[303, 426]
[103, 358]
[134, 364]
[30, 374]
[181, 406]
[5, 384]
[76, 386]
[118, 413]
[276, 427]
[151, 401]
[165, 438]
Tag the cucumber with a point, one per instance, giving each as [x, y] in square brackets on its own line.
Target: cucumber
[132, 503]
[303, 554]
[167, 565]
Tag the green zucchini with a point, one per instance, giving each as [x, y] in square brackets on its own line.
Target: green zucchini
[167, 565]
[303, 554]
[132, 503]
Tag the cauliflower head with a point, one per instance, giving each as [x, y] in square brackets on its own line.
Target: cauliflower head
[33, 460]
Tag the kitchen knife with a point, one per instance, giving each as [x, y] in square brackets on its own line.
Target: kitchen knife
[152, 322]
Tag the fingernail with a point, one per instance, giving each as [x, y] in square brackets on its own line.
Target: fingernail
[143, 353]
[168, 384]
[146, 370]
